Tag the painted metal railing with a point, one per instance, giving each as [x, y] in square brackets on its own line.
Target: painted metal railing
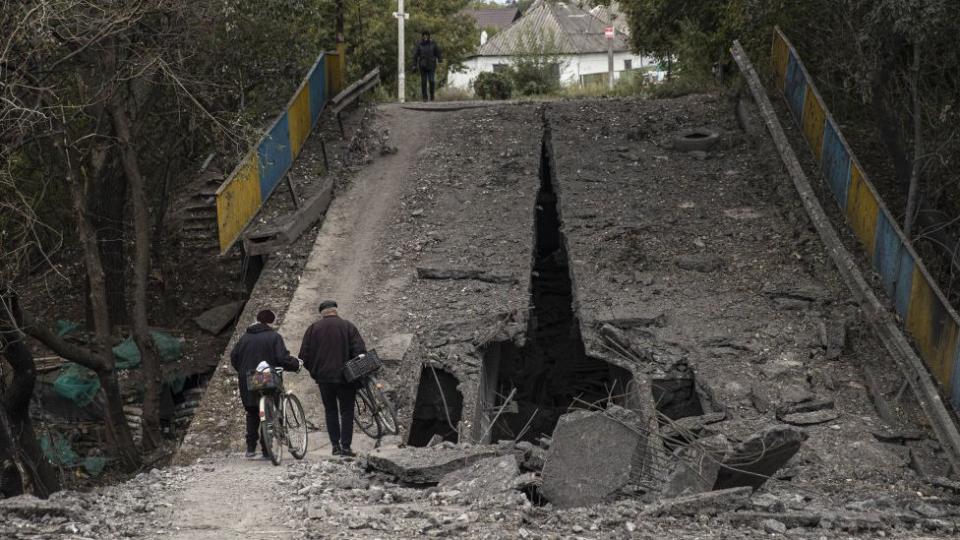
[260, 171]
[928, 317]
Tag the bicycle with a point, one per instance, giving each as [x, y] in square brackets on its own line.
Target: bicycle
[282, 420]
[375, 415]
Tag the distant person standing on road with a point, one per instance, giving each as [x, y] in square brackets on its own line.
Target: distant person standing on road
[260, 343]
[425, 60]
[327, 345]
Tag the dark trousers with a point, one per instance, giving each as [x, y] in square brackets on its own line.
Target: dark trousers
[427, 76]
[253, 429]
[339, 401]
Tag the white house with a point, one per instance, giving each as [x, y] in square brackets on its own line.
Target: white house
[574, 35]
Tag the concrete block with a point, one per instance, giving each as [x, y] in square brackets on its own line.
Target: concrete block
[592, 456]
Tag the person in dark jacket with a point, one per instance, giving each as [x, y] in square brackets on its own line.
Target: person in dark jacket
[327, 345]
[425, 59]
[260, 343]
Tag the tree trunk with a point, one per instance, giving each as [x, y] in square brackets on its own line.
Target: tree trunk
[97, 292]
[11, 484]
[911, 210]
[107, 202]
[43, 477]
[150, 360]
[118, 432]
[887, 126]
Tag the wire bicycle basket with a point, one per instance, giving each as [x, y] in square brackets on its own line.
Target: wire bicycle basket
[362, 366]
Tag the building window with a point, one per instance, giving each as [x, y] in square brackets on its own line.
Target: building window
[497, 68]
[628, 64]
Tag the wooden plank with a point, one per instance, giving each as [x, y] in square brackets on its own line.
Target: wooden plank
[272, 240]
[355, 90]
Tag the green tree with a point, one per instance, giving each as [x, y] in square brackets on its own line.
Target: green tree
[372, 34]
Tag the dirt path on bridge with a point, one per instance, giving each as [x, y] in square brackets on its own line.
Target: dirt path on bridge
[235, 497]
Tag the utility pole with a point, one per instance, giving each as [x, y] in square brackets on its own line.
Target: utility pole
[609, 32]
[401, 16]
[341, 47]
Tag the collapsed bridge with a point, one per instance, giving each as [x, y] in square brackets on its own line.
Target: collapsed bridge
[525, 260]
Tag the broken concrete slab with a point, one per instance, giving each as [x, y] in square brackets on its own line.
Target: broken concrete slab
[811, 418]
[413, 465]
[635, 318]
[802, 292]
[488, 276]
[394, 346]
[215, 319]
[709, 503]
[593, 454]
[681, 428]
[812, 405]
[696, 466]
[754, 460]
[704, 263]
[773, 526]
[791, 520]
[833, 338]
[485, 481]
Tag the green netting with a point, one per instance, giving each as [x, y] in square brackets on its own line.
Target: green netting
[57, 449]
[65, 327]
[169, 347]
[94, 465]
[128, 355]
[77, 383]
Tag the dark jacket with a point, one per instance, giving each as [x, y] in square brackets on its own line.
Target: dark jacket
[426, 56]
[326, 347]
[260, 344]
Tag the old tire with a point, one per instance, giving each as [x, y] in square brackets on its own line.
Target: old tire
[699, 139]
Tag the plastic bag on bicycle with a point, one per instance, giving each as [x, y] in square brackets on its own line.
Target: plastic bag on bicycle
[263, 381]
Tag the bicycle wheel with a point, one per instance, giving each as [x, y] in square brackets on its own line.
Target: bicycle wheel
[295, 423]
[386, 414]
[271, 429]
[364, 417]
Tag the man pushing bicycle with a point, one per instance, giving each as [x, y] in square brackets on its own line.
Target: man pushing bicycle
[260, 343]
[327, 345]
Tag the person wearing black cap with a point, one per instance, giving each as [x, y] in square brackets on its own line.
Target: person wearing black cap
[260, 343]
[425, 59]
[327, 345]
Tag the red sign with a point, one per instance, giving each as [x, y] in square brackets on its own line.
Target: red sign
[609, 32]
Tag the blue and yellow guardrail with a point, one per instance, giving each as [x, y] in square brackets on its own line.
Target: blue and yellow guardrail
[917, 298]
[258, 173]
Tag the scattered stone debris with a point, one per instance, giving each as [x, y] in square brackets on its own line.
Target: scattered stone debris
[484, 483]
[773, 526]
[487, 276]
[700, 263]
[709, 503]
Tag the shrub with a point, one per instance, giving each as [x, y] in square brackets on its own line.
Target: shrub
[493, 85]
